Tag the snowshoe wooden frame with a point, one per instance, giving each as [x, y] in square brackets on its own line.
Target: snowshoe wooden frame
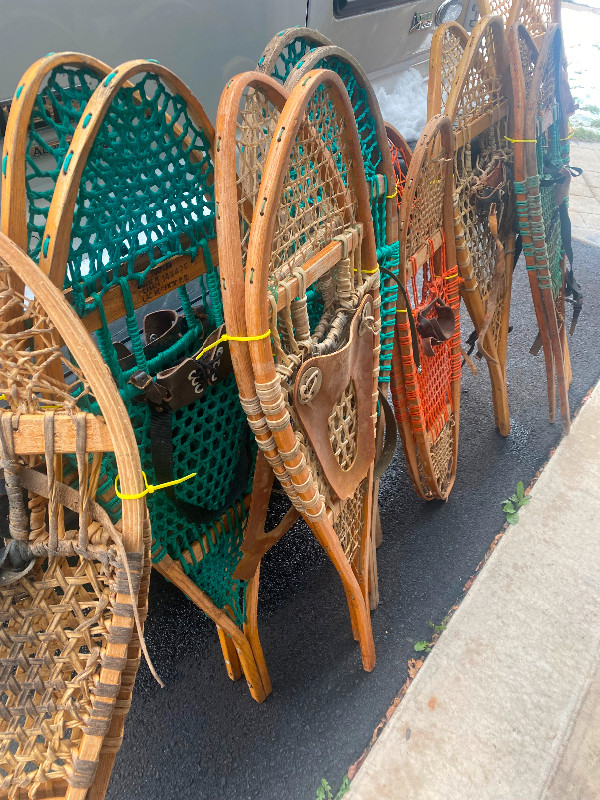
[46, 626]
[427, 242]
[16, 208]
[378, 158]
[399, 148]
[537, 110]
[447, 50]
[241, 647]
[377, 166]
[481, 120]
[248, 112]
[269, 271]
[535, 16]
[289, 46]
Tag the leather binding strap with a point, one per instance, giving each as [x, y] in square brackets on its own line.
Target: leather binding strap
[162, 459]
[437, 329]
[175, 388]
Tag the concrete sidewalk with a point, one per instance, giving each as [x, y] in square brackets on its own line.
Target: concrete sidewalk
[507, 705]
[584, 193]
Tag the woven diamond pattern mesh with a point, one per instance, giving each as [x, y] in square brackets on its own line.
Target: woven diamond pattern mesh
[56, 112]
[146, 194]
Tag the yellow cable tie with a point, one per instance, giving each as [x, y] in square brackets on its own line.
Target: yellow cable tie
[369, 271]
[401, 311]
[449, 277]
[566, 139]
[44, 408]
[150, 488]
[227, 338]
[391, 196]
[520, 141]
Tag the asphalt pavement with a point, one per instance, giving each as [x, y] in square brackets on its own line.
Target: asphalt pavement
[512, 711]
[204, 738]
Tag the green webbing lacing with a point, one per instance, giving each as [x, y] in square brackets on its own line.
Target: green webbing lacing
[289, 57]
[387, 255]
[314, 304]
[549, 151]
[56, 112]
[565, 152]
[147, 193]
[522, 187]
[139, 201]
[388, 258]
[365, 124]
[538, 216]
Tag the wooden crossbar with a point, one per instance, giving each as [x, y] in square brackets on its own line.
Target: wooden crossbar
[29, 437]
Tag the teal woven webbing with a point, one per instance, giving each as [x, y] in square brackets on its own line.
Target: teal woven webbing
[538, 214]
[56, 113]
[550, 157]
[387, 255]
[522, 187]
[147, 191]
[367, 131]
[206, 440]
[289, 56]
[144, 191]
[389, 258]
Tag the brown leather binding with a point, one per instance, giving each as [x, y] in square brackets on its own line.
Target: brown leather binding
[436, 329]
[186, 382]
[353, 364]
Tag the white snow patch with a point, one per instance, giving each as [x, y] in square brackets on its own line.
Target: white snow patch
[426, 43]
[581, 32]
[588, 3]
[406, 106]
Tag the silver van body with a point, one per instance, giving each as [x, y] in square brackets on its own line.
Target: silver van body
[207, 42]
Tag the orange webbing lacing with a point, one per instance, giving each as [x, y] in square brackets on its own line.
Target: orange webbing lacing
[428, 390]
[400, 169]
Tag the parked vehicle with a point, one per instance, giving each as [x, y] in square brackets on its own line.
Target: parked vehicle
[207, 43]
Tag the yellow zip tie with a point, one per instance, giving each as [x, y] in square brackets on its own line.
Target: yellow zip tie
[402, 311]
[45, 408]
[566, 139]
[519, 141]
[150, 488]
[391, 196]
[227, 338]
[369, 271]
[449, 277]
